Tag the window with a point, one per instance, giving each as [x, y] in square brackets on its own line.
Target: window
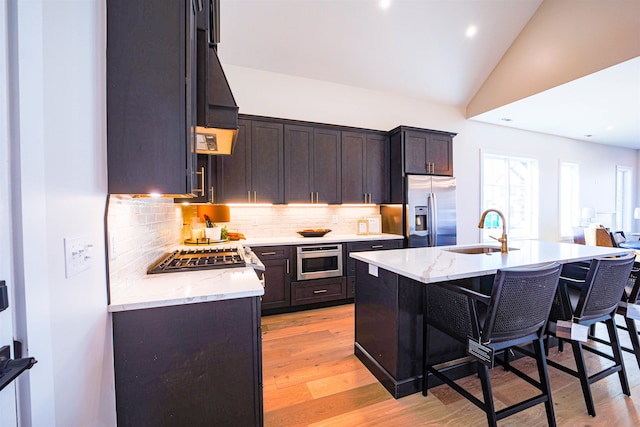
[623, 198]
[510, 184]
[569, 198]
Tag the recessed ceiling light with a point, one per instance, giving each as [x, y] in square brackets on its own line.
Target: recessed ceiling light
[505, 119]
[610, 128]
[471, 31]
[384, 4]
[589, 136]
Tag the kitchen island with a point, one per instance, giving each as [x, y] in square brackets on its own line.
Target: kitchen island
[390, 289]
[187, 348]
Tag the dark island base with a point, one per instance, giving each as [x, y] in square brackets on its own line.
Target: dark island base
[388, 330]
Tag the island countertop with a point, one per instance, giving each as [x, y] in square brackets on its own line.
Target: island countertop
[437, 264]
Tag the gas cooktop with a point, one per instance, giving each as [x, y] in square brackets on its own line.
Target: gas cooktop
[199, 259]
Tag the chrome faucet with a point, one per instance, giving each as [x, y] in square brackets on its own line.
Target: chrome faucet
[503, 239]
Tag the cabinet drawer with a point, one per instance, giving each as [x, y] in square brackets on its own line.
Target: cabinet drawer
[319, 290]
[364, 246]
[272, 252]
[374, 245]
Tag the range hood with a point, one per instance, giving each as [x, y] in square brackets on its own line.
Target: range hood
[217, 111]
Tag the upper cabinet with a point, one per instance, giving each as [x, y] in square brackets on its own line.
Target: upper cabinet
[254, 172]
[365, 167]
[419, 151]
[312, 164]
[150, 97]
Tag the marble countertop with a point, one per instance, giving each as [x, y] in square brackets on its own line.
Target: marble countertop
[189, 287]
[436, 264]
[328, 238]
[161, 290]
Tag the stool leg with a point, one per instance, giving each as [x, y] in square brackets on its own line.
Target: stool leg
[584, 380]
[485, 380]
[541, 361]
[633, 335]
[617, 355]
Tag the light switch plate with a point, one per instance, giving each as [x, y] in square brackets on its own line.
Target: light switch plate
[76, 256]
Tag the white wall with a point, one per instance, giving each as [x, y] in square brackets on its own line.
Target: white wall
[59, 186]
[277, 95]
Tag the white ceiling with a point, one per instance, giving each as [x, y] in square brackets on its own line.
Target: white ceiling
[418, 48]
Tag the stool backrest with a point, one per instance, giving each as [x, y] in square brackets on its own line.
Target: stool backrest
[520, 302]
[604, 286]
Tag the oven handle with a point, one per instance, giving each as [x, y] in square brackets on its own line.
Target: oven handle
[320, 255]
[329, 249]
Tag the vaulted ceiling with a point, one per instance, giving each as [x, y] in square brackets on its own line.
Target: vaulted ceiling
[541, 66]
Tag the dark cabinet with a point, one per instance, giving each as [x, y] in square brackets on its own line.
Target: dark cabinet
[365, 168]
[422, 151]
[277, 275]
[312, 165]
[318, 290]
[151, 97]
[205, 185]
[254, 172]
[193, 364]
[364, 246]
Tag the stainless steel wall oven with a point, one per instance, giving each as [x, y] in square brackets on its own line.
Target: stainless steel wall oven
[319, 261]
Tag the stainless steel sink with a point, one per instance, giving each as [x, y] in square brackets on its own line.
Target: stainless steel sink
[476, 250]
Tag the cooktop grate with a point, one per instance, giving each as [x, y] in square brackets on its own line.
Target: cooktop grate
[199, 259]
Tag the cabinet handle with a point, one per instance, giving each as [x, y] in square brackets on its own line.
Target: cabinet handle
[255, 197]
[201, 189]
[311, 196]
[376, 246]
[213, 197]
[287, 266]
[316, 197]
[248, 196]
[320, 291]
[267, 253]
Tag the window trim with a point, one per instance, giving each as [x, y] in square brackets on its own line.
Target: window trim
[535, 196]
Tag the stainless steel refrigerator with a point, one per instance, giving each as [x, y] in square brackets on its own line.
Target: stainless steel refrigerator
[428, 215]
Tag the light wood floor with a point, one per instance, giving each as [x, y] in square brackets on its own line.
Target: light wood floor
[312, 378]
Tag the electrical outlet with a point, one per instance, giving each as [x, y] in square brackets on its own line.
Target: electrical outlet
[76, 256]
[334, 219]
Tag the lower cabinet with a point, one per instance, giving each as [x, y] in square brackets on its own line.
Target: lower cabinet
[189, 365]
[282, 292]
[318, 290]
[277, 276]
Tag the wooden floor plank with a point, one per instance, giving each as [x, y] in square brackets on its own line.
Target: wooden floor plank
[312, 378]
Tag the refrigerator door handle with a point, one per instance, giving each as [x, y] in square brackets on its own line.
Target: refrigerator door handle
[433, 220]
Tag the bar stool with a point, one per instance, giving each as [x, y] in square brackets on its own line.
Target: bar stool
[594, 300]
[514, 314]
[630, 297]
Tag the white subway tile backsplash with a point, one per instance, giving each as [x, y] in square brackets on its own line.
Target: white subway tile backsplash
[144, 229]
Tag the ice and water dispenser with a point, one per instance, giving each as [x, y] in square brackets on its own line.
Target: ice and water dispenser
[421, 218]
